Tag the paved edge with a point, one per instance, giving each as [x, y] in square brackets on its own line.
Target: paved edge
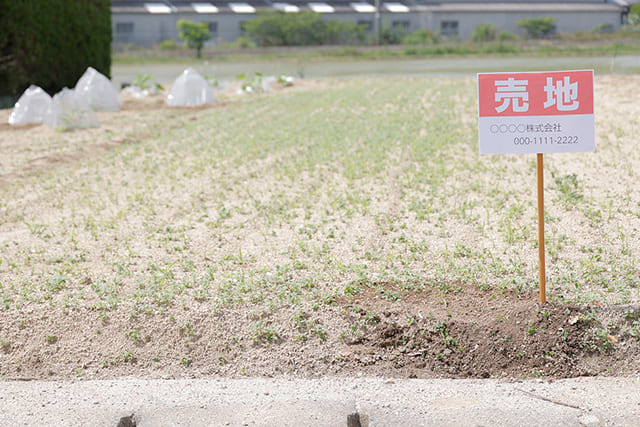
[322, 402]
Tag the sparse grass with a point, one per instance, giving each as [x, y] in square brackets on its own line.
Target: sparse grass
[295, 201]
[581, 43]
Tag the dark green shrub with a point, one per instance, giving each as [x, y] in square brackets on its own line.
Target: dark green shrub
[300, 29]
[339, 32]
[280, 29]
[507, 36]
[421, 36]
[51, 43]
[388, 36]
[168, 44]
[243, 42]
[537, 28]
[484, 33]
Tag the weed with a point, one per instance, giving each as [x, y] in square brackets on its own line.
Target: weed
[632, 314]
[635, 329]
[133, 335]
[263, 333]
[568, 188]
[443, 330]
[390, 295]
[600, 340]
[187, 330]
[588, 318]
[128, 357]
[299, 318]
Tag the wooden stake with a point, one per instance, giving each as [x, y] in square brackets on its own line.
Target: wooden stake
[543, 292]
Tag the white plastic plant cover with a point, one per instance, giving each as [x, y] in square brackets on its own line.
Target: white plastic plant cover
[31, 107]
[190, 90]
[99, 91]
[69, 110]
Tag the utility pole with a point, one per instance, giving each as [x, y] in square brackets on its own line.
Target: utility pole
[378, 27]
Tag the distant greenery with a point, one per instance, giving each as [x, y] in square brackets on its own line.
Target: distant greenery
[419, 43]
[421, 36]
[301, 29]
[507, 36]
[634, 14]
[389, 36]
[485, 33]
[234, 52]
[462, 49]
[194, 34]
[537, 28]
[169, 44]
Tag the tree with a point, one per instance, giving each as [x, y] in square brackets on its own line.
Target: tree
[634, 14]
[51, 44]
[194, 34]
[537, 28]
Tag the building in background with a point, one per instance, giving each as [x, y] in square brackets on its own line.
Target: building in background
[148, 22]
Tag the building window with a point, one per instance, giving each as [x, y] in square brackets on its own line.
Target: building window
[449, 28]
[124, 31]
[367, 26]
[213, 29]
[400, 27]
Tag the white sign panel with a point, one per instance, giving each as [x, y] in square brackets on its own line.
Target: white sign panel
[540, 112]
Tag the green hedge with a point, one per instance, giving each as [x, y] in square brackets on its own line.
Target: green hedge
[50, 43]
[301, 29]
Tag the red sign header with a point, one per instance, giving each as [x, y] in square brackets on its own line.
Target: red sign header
[535, 94]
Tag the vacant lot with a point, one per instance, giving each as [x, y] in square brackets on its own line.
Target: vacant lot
[343, 227]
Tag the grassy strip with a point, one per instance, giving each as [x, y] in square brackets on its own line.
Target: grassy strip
[575, 47]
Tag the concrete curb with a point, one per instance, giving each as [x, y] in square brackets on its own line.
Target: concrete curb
[321, 402]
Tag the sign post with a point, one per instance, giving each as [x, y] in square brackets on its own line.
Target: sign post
[541, 252]
[536, 112]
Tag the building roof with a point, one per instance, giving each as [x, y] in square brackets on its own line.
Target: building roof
[522, 7]
[362, 6]
[250, 6]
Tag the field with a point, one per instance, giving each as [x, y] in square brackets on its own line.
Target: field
[336, 227]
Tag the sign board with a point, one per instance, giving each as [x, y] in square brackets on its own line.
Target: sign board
[536, 112]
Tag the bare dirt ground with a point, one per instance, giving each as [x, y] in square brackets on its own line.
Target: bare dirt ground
[464, 332]
[465, 335]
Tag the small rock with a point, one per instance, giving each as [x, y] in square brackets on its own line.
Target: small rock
[589, 420]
